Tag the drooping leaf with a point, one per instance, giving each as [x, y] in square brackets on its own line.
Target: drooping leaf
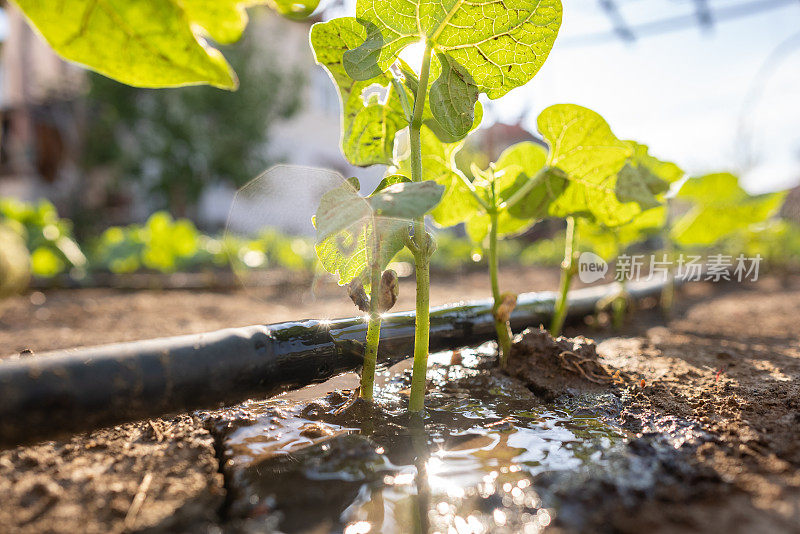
[431, 121]
[721, 208]
[146, 43]
[406, 200]
[368, 125]
[584, 147]
[452, 98]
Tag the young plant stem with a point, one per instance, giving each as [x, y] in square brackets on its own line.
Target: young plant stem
[423, 249]
[568, 269]
[374, 326]
[502, 327]
[619, 306]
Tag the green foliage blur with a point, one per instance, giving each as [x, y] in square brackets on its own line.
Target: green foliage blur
[47, 237]
[167, 245]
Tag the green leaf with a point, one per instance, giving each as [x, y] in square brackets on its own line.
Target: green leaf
[531, 158]
[500, 44]
[405, 200]
[721, 208]
[350, 227]
[431, 121]
[635, 183]
[339, 209]
[368, 127]
[584, 147]
[294, 9]
[665, 170]
[721, 189]
[150, 43]
[452, 98]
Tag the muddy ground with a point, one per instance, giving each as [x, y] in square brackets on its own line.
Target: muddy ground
[728, 363]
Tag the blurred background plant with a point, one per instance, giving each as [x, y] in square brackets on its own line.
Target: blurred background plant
[38, 243]
[178, 142]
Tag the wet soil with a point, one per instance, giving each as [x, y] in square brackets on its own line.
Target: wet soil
[710, 439]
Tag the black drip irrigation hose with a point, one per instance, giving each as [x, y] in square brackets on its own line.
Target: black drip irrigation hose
[52, 394]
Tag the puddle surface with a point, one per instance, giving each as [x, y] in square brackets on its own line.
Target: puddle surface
[471, 466]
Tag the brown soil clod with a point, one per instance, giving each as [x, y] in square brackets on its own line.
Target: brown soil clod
[551, 367]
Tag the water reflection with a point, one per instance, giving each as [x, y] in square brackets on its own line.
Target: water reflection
[470, 466]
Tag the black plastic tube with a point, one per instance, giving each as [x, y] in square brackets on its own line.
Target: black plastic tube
[64, 392]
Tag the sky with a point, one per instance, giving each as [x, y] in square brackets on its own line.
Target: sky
[709, 99]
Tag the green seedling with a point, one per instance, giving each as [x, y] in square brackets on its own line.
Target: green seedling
[483, 204]
[720, 209]
[580, 176]
[469, 48]
[609, 241]
[609, 182]
[358, 236]
[48, 237]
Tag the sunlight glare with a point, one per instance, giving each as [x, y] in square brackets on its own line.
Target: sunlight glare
[412, 54]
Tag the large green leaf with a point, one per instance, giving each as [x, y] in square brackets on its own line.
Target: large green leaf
[584, 147]
[146, 43]
[369, 126]
[721, 208]
[483, 46]
[501, 44]
[350, 227]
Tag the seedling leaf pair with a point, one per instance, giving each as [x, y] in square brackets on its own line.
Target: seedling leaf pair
[350, 227]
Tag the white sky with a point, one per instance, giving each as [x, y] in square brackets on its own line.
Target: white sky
[683, 93]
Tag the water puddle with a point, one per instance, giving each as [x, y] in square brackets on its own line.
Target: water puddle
[332, 464]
